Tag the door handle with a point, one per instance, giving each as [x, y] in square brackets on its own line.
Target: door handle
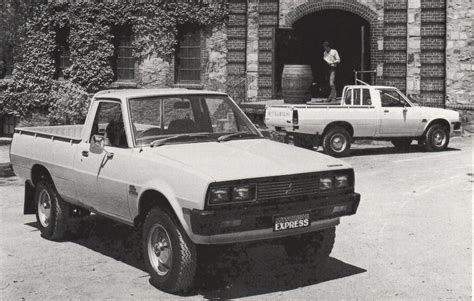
[386, 111]
[85, 153]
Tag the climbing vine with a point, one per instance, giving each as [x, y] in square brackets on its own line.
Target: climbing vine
[154, 26]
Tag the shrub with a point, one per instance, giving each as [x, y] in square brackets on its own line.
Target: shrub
[69, 104]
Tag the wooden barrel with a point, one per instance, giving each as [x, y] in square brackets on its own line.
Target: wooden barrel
[296, 83]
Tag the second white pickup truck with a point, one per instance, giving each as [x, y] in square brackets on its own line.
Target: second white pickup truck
[364, 112]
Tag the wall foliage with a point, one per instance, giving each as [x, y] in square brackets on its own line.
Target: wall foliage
[155, 26]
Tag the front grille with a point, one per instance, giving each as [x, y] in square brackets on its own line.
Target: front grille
[288, 187]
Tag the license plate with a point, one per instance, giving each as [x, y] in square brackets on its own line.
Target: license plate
[282, 223]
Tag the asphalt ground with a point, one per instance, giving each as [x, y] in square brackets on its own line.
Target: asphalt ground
[411, 239]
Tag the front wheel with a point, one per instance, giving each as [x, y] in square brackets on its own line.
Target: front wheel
[436, 138]
[51, 211]
[311, 248]
[337, 142]
[170, 256]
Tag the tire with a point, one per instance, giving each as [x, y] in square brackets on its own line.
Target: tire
[337, 142]
[402, 144]
[312, 248]
[170, 256]
[51, 211]
[436, 138]
[301, 141]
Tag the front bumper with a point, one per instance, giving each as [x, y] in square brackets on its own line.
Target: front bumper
[256, 222]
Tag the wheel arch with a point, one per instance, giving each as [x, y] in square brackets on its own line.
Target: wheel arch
[39, 172]
[151, 198]
[441, 121]
[343, 124]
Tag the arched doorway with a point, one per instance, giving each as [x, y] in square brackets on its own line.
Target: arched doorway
[345, 31]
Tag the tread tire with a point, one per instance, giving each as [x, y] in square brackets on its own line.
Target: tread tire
[428, 138]
[180, 277]
[311, 248]
[327, 142]
[58, 226]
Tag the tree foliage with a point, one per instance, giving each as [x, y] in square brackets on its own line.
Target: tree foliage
[154, 25]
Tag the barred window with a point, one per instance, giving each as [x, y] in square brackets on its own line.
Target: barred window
[123, 62]
[188, 55]
[62, 57]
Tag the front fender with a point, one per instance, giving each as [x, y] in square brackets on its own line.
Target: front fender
[177, 204]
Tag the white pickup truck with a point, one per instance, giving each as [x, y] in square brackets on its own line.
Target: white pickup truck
[364, 112]
[187, 168]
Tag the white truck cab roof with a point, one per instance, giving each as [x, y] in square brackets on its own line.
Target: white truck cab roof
[132, 93]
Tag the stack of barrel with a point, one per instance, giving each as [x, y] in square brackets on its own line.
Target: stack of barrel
[296, 83]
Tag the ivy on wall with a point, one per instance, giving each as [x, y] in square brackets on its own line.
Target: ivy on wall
[90, 23]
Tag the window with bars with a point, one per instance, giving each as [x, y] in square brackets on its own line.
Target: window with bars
[188, 56]
[63, 54]
[123, 62]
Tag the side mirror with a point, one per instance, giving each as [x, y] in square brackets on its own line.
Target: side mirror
[97, 144]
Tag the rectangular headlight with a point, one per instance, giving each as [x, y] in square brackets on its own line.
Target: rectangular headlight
[232, 194]
[326, 183]
[341, 181]
[243, 193]
[219, 196]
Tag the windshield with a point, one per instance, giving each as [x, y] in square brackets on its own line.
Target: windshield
[155, 118]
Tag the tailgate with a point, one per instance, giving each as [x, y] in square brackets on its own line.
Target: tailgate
[278, 116]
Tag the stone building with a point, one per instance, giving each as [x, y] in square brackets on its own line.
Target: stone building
[423, 47]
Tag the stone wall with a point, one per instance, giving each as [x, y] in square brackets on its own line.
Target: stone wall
[459, 54]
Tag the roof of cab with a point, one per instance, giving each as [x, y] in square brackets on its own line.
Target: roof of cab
[132, 93]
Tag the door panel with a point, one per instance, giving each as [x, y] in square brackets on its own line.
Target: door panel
[398, 121]
[113, 182]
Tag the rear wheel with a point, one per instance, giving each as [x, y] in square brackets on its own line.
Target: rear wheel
[436, 138]
[402, 144]
[51, 211]
[170, 256]
[337, 142]
[311, 248]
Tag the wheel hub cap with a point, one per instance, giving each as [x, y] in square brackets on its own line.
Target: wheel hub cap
[438, 138]
[159, 249]
[44, 208]
[338, 143]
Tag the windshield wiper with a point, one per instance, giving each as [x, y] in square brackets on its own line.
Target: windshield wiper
[164, 141]
[228, 137]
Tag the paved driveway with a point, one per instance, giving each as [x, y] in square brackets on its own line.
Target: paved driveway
[411, 239]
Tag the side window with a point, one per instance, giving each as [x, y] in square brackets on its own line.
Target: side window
[366, 101]
[108, 123]
[178, 116]
[391, 99]
[348, 97]
[356, 100]
[222, 116]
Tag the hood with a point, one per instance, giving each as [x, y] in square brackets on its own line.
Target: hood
[242, 159]
[450, 115]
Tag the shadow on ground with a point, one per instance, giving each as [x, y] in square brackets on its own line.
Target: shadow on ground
[227, 272]
[7, 177]
[388, 150]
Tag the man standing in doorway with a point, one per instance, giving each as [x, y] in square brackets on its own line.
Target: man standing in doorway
[331, 57]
